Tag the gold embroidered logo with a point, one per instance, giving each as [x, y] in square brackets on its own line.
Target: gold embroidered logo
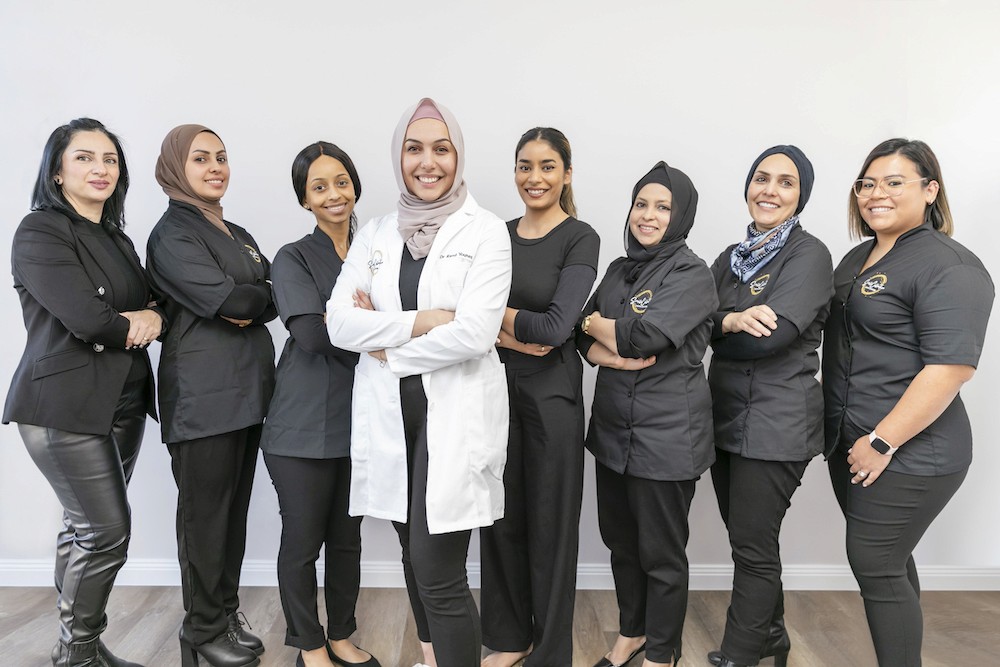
[757, 285]
[874, 285]
[640, 302]
[252, 252]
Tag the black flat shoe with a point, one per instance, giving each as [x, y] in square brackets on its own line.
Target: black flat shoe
[604, 662]
[223, 651]
[243, 637]
[370, 662]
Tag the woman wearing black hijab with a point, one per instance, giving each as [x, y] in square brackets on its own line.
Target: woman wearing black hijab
[774, 297]
[647, 326]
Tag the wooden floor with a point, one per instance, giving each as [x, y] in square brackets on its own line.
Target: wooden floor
[827, 628]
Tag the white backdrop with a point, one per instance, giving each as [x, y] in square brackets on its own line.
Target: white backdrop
[705, 86]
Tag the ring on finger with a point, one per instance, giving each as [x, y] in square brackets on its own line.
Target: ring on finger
[862, 474]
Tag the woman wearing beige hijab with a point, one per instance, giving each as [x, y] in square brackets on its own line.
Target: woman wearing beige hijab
[422, 293]
[217, 374]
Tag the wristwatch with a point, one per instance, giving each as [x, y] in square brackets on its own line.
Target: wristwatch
[585, 327]
[880, 445]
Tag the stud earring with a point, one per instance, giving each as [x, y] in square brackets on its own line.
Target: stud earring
[58, 181]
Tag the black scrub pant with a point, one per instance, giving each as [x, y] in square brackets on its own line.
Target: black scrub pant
[214, 476]
[89, 474]
[753, 497]
[885, 521]
[644, 523]
[434, 565]
[313, 495]
[529, 557]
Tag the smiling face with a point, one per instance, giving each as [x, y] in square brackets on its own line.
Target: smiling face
[650, 214]
[773, 194]
[329, 191]
[896, 215]
[429, 160]
[540, 175]
[207, 167]
[88, 173]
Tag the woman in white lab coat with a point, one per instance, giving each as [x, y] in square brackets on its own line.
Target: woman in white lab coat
[423, 293]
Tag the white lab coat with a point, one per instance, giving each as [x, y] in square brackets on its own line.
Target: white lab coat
[468, 270]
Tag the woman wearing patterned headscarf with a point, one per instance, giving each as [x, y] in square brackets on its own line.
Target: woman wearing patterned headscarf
[647, 326]
[774, 297]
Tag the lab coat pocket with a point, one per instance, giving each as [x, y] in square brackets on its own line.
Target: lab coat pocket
[486, 415]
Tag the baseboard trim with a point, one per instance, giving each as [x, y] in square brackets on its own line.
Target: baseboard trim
[590, 576]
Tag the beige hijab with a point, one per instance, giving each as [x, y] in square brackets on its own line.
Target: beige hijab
[420, 220]
[172, 178]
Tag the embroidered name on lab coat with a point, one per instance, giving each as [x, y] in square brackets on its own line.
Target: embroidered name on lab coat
[252, 252]
[375, 263]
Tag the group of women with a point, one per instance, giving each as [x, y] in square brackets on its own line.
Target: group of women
[432, 376]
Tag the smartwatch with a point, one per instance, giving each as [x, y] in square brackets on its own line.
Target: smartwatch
[880, 445]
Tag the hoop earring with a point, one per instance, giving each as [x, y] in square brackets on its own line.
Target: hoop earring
[58, 181]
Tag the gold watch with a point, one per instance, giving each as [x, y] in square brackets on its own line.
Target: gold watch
[586, 324]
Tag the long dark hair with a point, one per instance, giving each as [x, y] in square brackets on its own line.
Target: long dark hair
[46, 194]
[300, 173]
[923, 158]
[560, 144]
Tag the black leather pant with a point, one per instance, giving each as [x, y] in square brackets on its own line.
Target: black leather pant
[89, 474]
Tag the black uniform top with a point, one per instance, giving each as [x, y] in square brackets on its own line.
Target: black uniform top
[73, 278]
[770, 406]
[551, 281]
[215, 377]
[655, 423]
[310, 413]
[927, 301]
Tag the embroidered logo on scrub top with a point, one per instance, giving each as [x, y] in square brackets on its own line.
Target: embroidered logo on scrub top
[757, 285]
[252, 252]
[640, 302]
[375, 263]
[874, 285]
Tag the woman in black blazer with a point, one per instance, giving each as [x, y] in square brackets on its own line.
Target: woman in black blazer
[83, 387]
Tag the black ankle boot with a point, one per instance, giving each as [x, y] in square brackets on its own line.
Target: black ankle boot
[111, 659]
[223, 651]
[778, 645]
[244, 638]
[84, 654]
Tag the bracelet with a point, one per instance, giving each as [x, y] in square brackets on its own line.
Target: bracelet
[586, 324]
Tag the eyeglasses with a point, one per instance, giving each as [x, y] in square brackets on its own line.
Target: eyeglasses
[864, 188]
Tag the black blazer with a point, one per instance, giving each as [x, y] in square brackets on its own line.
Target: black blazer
[75, 363]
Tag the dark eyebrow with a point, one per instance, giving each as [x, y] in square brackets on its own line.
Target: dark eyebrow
[791, 176]
[335, 177]
[436, 141]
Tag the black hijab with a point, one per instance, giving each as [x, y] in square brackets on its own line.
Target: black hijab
[682, 209]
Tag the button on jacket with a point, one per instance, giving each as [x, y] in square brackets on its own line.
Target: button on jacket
[772, 408]
[468, 270]
[75, 364]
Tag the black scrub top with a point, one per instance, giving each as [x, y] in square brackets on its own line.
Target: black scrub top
[772, 408]
[310, 413]
[214, 376]
[656, 423]
[927, 301]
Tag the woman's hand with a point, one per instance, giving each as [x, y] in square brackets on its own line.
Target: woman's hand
[599, 354]
[429, 319]
[504, 339]
[866, 463]
[144, 326]
[362, 300]
[756, 320]
[240, 323]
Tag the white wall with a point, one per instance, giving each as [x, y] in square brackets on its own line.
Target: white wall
[705, 86]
